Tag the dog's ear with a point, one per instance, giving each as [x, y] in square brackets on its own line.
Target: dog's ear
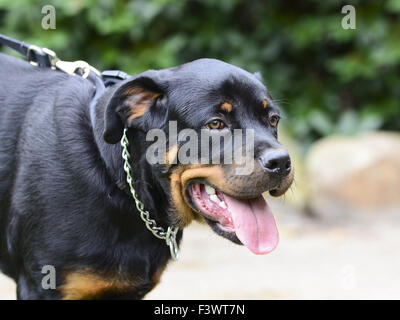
[130, 101]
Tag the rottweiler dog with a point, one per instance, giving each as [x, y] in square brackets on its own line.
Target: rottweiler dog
[63, 202]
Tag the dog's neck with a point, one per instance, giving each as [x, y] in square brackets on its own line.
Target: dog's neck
[111, 155]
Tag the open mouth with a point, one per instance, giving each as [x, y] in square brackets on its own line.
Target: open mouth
[248, 221]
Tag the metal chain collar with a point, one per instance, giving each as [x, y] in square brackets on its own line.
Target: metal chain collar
[170, 235]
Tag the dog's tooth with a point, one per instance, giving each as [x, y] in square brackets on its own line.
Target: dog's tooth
[222, 204]
[210, 190]
[214, 198]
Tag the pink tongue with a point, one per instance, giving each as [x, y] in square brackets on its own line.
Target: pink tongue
[254, 224]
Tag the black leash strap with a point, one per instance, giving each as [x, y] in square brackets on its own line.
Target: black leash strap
[33, 54]
[46, 58]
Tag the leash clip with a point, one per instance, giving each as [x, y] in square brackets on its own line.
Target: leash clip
[76, 67]
[37, 57]
[79, 67]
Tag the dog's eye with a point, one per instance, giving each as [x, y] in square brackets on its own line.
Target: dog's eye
[273, 120]
[216, 124]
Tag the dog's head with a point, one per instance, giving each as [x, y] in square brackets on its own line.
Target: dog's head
[208, 167]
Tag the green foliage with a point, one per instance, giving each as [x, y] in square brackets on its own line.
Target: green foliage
[326, 79]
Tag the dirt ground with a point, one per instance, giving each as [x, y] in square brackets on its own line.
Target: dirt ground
[357, 260]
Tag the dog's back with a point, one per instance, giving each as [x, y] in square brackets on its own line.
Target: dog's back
[18, 88]
[27, 98]
[12, 79]
[11, 117]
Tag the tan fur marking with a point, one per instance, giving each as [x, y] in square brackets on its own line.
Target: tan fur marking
[157, 275]
[86, 285]
[226, 106]
[184, 212]
[265, 103]
[139, 101]
[171, 155]
[213, 174]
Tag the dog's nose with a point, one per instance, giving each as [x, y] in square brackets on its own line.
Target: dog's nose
[276, 162]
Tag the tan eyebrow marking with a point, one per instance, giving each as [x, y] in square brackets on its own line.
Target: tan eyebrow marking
[226, 106]
[265, 103]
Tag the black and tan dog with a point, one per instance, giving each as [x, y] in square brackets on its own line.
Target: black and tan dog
[59, 167]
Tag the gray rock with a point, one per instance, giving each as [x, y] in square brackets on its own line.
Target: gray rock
[353, 176]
